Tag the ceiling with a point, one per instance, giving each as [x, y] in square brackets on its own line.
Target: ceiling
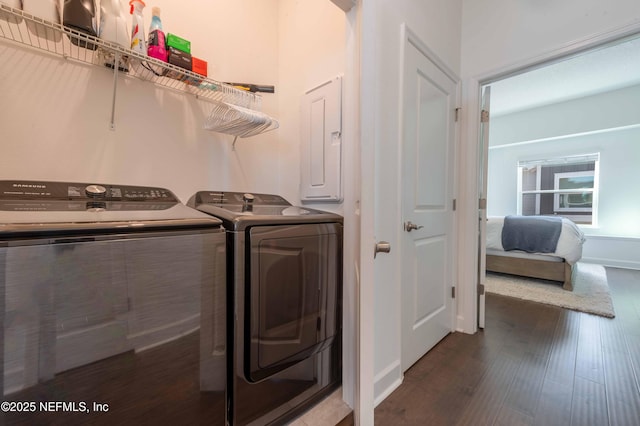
[592, 72]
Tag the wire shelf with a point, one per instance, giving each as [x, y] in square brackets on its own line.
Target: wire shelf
[26, 29]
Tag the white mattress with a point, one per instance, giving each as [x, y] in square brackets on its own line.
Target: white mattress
[569, 244]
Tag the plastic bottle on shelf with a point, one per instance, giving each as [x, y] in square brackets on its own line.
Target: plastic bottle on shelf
[80, 15]
[113, 28]
[49, 10]
[113, 24]
[6, 16]
[138, 43]
[157, 44]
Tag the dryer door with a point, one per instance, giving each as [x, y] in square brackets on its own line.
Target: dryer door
[294, 279]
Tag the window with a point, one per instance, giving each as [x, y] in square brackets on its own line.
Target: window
[565, 199]
[563, 186]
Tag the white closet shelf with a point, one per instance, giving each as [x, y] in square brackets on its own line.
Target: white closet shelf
[49, 38]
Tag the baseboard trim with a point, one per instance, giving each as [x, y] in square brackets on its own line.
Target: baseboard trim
[614, 263]
[386, 382]
[614, 251]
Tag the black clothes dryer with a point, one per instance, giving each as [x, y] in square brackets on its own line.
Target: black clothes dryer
[284, 277]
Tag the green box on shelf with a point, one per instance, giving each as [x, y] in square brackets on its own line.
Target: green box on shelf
[178, 43]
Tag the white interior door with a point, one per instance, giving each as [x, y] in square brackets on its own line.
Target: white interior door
[428, 142]
[483, 162]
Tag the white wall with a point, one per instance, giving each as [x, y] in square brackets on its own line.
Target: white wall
[497, 33]
[437, 24]
[312, 40]
[610, 110]
[54, 114]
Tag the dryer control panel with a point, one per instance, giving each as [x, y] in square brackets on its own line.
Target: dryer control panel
[240, 198]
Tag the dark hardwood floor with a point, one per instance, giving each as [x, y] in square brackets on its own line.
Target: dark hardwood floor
[532, 365]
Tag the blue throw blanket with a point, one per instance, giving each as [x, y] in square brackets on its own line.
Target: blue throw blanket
[533, 234]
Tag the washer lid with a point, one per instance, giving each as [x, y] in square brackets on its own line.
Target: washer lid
[38, 206]
[239, 210]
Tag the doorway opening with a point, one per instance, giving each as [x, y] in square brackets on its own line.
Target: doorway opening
[562, 141]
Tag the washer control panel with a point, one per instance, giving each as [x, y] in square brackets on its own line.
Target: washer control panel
[65, 196]
[37, 190]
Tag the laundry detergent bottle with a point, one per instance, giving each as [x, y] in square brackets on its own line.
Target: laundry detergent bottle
[138, 43]
[113, 24]
[157, 44]
[113, 29]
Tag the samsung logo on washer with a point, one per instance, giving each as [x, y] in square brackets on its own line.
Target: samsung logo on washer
[28, 185]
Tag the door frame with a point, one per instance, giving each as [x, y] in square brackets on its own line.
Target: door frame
[363, 22]
[468, 218]
[485, 105]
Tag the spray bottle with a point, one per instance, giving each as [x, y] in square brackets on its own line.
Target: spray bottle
[157, 44]
[138, 43]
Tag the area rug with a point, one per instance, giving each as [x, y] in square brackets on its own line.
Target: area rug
[590, 290]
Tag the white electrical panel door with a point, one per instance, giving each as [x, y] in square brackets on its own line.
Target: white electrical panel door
[321, 143]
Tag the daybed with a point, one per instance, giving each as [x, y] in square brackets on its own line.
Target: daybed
[532, 252]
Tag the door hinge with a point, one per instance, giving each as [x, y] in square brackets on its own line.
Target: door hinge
[482, 204]
[455, 204]
[453, 292]
[480, 289]
[484, 116]
[457, 114]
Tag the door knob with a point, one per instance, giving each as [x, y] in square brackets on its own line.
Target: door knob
[409, 226]
[381, 247]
